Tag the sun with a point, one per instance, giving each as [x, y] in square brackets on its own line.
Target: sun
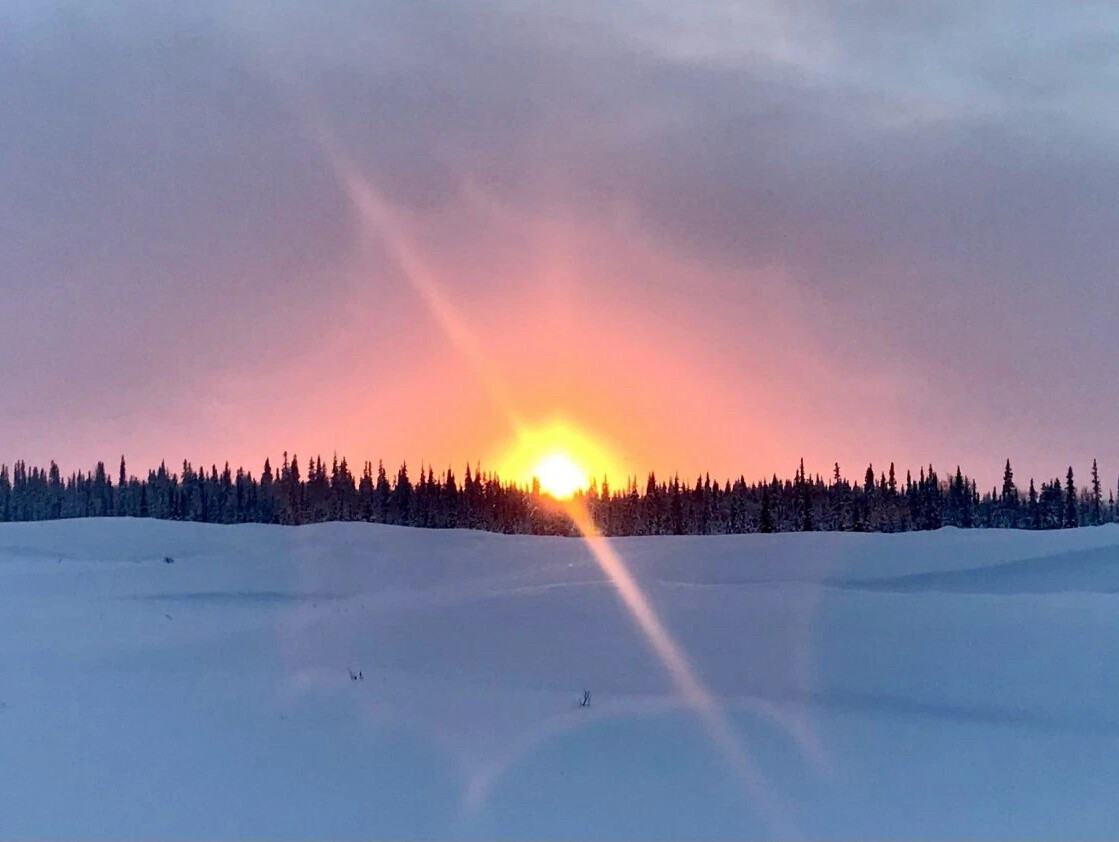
[560, 476]
[563, 458]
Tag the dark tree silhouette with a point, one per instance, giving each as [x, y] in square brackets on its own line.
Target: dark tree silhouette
[483, 501]
[1072, 518]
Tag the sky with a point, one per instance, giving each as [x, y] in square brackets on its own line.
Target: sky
[707, 236]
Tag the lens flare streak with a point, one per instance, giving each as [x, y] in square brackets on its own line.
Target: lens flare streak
[376, 215]
[698, 697]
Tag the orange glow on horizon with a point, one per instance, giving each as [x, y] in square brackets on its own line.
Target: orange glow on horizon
[562, 457]
[560, 476]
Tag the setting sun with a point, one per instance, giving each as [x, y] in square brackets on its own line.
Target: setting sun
[560, 476]
[561, 456]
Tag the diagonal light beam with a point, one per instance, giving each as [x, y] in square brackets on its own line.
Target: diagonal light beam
[377, 216]
[672, 656]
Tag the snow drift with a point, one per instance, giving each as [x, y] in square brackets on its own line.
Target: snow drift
[950, 684]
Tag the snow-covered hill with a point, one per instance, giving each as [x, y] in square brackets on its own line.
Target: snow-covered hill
[940, 684]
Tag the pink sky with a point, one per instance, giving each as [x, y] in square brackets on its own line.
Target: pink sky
[710, 246]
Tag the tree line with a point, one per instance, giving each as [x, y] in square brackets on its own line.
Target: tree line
[880, 502]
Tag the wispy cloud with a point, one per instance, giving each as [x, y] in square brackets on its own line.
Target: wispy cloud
[890, 192]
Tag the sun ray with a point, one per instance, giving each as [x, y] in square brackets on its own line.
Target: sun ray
[672, 656]
[376, 215]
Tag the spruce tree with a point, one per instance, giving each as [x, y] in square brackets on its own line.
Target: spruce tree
[765, 522]
[1072, 518]
[870, 503]
[1097, 496]
[1008, 499]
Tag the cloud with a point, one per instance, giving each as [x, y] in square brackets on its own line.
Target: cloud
[925, 191]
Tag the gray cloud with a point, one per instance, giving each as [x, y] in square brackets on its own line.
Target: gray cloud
[936, 181]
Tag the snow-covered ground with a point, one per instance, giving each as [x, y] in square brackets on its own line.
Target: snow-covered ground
[943, 684]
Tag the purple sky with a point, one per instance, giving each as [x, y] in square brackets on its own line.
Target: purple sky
[712, 235]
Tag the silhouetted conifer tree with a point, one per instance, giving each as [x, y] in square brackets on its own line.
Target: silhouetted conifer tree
[1097, 496]
[766, 520]
[1072, 518]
